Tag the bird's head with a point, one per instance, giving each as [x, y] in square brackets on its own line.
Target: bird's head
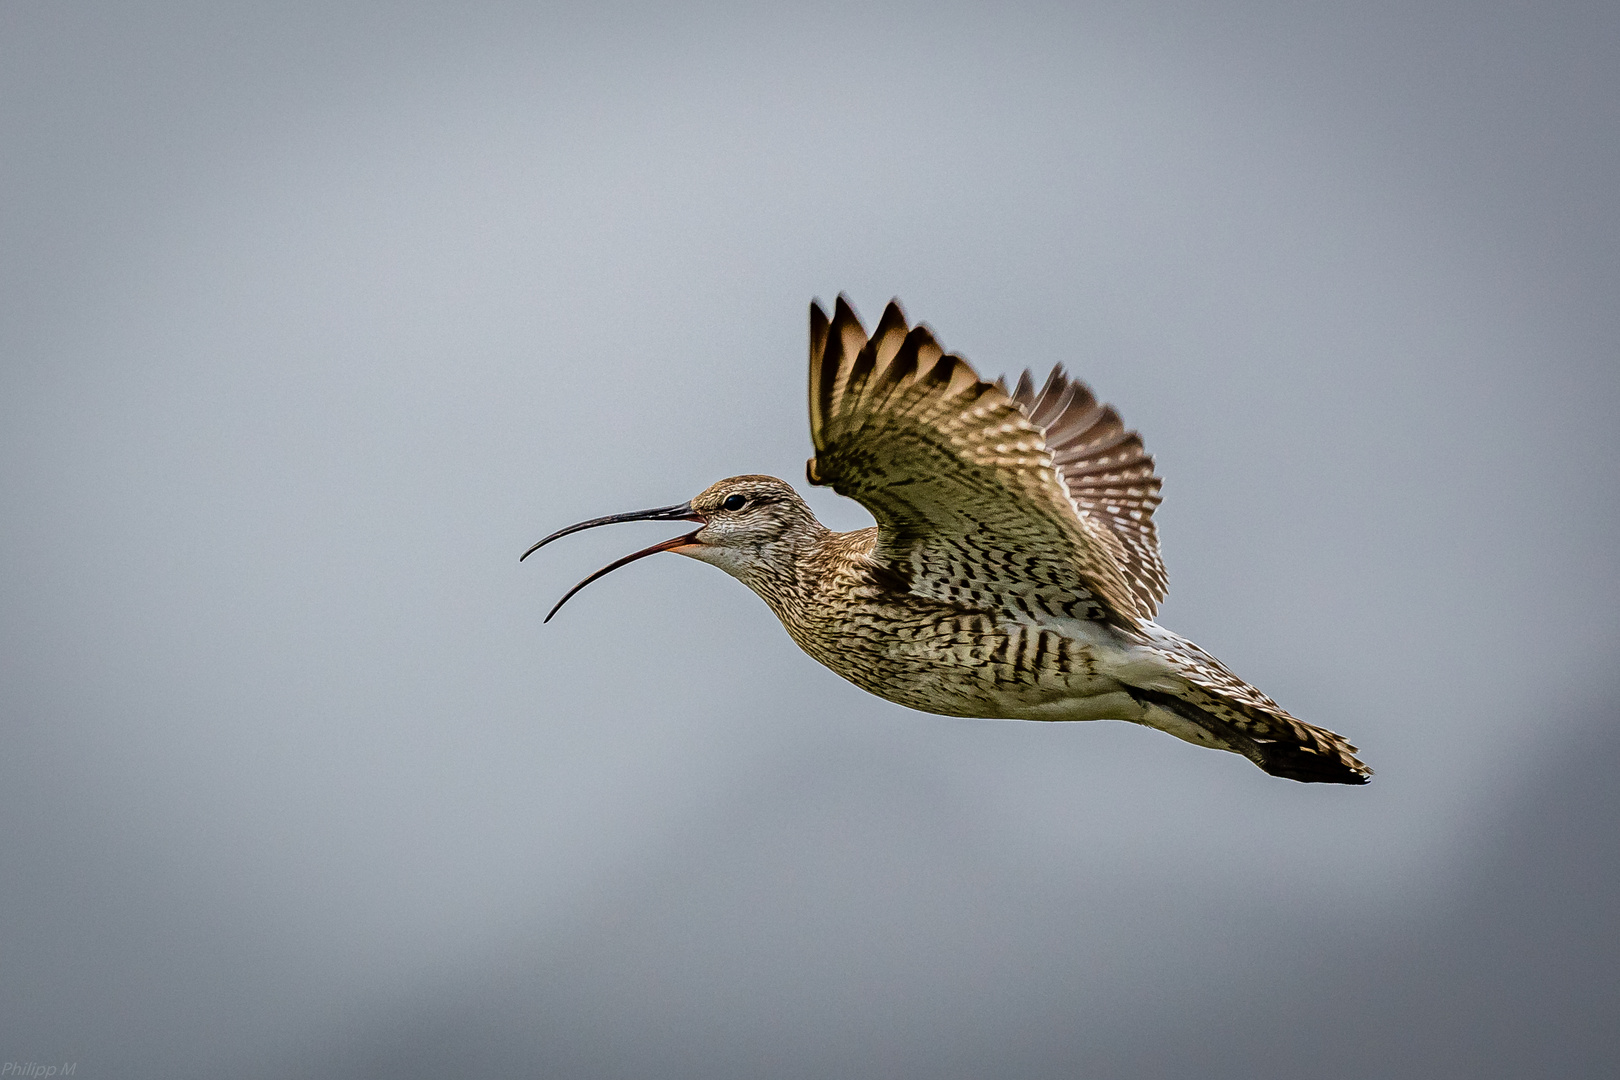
[752, 527]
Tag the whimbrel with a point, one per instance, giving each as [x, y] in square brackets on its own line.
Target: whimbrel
[1014, 570]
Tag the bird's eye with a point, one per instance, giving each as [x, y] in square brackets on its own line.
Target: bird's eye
[734, 502]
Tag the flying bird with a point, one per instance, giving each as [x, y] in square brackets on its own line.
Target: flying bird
[1014, 570]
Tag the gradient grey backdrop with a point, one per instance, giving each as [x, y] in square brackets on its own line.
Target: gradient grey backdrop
[312, 318]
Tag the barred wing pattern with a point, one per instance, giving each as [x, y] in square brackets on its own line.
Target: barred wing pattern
[970, 505]
[1108, 473]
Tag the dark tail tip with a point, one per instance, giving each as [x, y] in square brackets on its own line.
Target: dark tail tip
[1308, 767]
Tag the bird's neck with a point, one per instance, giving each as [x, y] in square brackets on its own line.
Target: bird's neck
[785, 571]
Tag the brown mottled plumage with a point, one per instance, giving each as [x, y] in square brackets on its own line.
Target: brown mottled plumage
[1014, 570]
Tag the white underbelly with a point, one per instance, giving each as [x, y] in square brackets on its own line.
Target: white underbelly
[1110, 704]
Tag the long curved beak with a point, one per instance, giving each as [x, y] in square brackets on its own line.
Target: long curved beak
[679, 512]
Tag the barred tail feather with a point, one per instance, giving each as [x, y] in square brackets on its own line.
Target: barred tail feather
[1282, 746]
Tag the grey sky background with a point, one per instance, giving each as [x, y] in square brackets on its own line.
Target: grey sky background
[314, 317]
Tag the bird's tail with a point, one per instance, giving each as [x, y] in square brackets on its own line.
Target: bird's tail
[1278, 743]
[1213, 706]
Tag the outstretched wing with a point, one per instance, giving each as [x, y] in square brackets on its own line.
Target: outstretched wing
[970, 504]
[1108, 472]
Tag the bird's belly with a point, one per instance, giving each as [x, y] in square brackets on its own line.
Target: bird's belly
[1099, 701]
[978, 666]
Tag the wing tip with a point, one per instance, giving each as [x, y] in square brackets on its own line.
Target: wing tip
[820, 329]
[844, 312]
[894, 315]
